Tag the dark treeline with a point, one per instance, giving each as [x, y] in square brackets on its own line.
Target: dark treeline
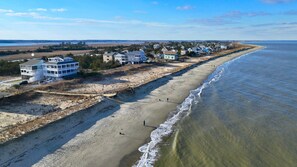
[9, 68]
[64, 46]
[94, 62]
[10, 52]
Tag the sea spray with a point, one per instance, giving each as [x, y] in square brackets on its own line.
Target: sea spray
[150, 150]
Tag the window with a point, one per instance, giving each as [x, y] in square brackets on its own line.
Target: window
[72, 65]
[59, 72]
[34, 67]
[64, 72]
[76, 64]
[59, 66]
[68, 71]
[68, 65]
[63, 66]
[56, 72]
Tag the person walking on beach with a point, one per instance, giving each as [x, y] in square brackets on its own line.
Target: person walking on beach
[143, 122]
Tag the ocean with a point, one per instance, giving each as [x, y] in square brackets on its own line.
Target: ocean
[245, 114]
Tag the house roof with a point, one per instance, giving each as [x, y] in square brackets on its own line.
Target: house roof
[110, 54]
[133, 53]
[170, 52]
[31, 62]
[63, 62]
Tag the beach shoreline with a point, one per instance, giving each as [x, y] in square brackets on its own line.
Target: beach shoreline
[145, 105]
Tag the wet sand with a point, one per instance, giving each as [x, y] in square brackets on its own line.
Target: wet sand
[106, 141]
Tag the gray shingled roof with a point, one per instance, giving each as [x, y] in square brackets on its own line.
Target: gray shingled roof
[31, 62]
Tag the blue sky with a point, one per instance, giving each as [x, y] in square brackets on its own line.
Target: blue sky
[149, 19]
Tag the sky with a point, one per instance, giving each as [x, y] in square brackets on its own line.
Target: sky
[148, 19]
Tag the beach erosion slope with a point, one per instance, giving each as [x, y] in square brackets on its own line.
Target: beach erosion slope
[111, 138]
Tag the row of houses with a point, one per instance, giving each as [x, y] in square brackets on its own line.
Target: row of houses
[56, 67]
[133, 57]
[199, 49]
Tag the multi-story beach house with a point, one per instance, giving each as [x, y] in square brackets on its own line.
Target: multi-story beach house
[32, 69]
[136, 57]
[121, 58]
[170, 55]
[58, 67]
[108, 56]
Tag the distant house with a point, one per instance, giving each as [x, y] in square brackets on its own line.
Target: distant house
[156, 46]
[170, 55]
[108, 57]
[58, 67]
[183, 52]
[224, 47]
[164, 49]
[121, 58]
[207, 50]
[136, 57]
[32, 69]
[197, 50]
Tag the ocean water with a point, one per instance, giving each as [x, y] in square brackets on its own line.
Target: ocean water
[245, 114]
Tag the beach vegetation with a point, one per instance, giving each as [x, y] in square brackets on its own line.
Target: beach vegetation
[9, 68]
[95, 63]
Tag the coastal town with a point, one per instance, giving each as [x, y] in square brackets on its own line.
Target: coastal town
[63, 76]
[49, 89]
[34, 69]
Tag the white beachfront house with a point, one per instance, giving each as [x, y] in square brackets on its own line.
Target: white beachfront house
[58, 67]
[32, 70]
[170, 55]
[224, 47]
[136, 57]
[121, 58]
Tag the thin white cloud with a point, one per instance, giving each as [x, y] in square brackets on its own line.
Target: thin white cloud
[41, 9]
[6, 11]
[59, 10]
[23, 14]
[186, 7]
[31, 15]
[38, 10]
[239, 14]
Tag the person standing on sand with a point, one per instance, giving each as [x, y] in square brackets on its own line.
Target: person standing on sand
[143, 122]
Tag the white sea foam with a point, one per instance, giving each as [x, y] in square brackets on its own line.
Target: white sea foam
[150, 150]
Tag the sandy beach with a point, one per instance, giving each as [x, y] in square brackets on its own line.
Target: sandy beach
[109, 138]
